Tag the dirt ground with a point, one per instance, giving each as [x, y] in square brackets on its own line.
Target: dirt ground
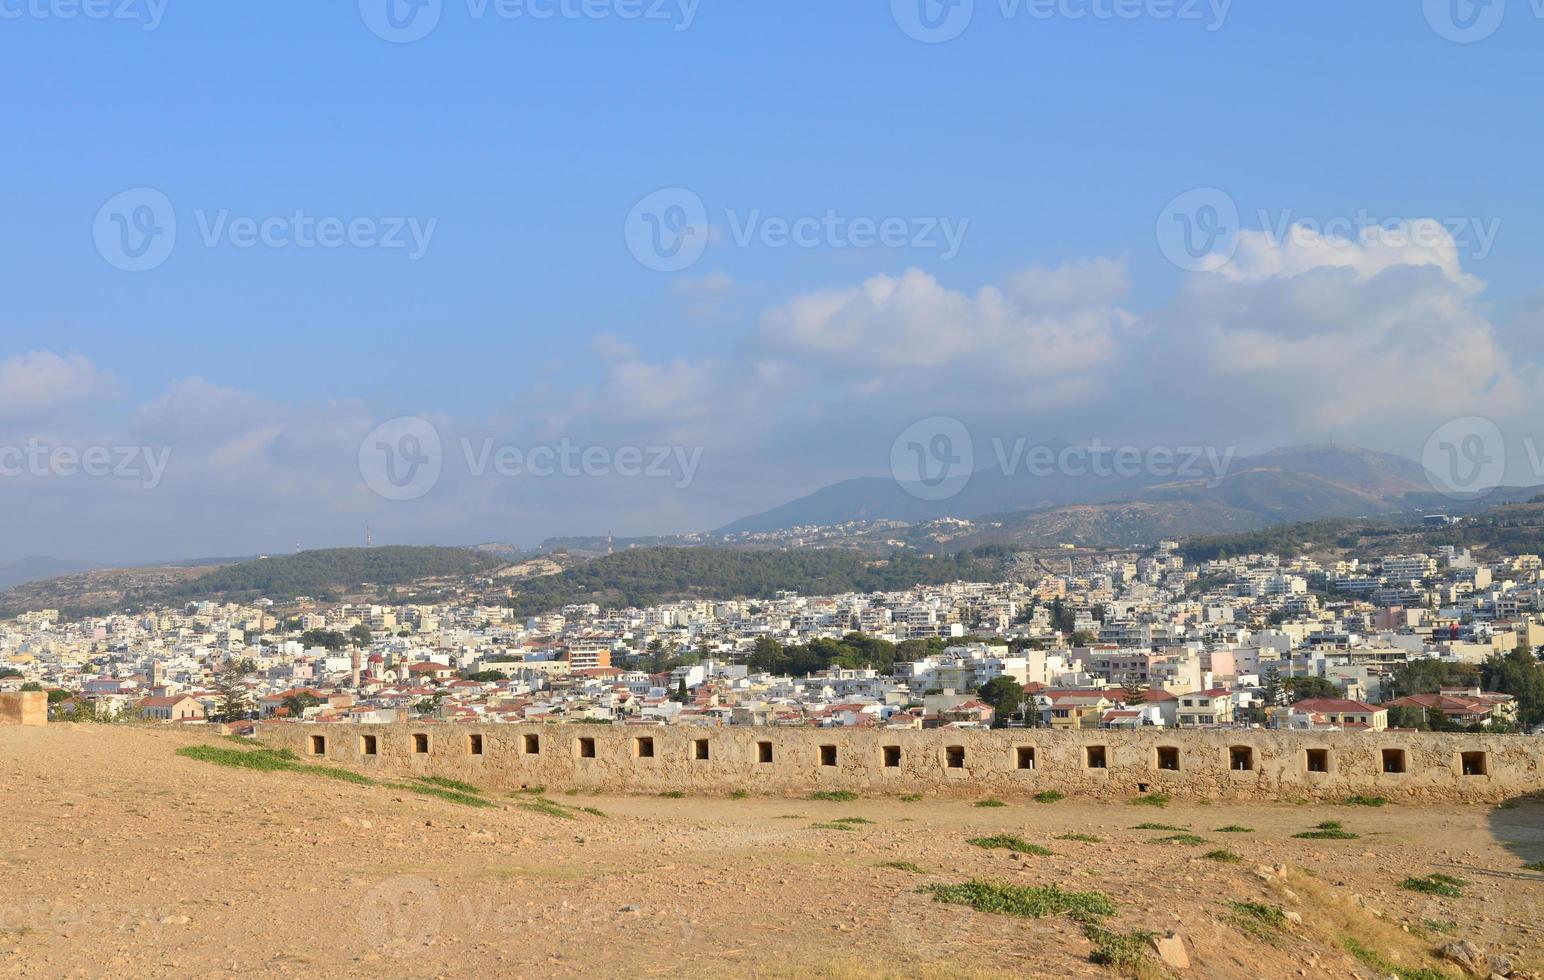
[122, 858]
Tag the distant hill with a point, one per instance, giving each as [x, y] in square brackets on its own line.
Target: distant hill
[38, 568]
[644, 576]
[322, 573]
[1294, 484]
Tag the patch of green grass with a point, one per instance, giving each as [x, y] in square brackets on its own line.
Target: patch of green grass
[853, 820]
[545, 807]
[269, 760]
[1328, 830]
[1369, 958]
[1440, 925]
[673, 794]
[739, 794]
[1050, 796]
[592, 811]
[1258, 919]
[835, 795]
[1001, 898]
[448, 795]
[531, 791]
[263, 760]
[1534, 866]
[333, 772]
[1158, 826]
[1150, 799]
[1234, 828]
[451, 784]
[1011, 843]
[571, 792]
[831, 826]
[1187, 839]
[1438, 884]
[915, 869]
[1360, 800]
[912, 798]
[1125, 951]
[1085, 838]
[990, 801]
[1224, 855]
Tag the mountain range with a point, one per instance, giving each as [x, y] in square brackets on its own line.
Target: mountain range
[1284, 485]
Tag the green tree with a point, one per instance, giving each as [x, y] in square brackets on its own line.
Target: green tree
[1134, 690]
[1402, 716]
[767, 656]
[486, 676]
[1303, 688]
[1519, 674]
[297, 704]
[1272, 693]
[1005, 695]
[360, 635]
[326, 639]
[233, 699]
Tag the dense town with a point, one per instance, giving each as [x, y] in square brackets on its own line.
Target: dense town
[1418, 640]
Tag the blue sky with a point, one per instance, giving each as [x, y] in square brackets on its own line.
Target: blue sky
[527, 142]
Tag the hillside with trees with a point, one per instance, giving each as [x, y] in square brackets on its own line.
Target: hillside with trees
[645, 576]
[322, 574]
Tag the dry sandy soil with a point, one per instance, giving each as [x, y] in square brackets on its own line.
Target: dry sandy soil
[122, 858]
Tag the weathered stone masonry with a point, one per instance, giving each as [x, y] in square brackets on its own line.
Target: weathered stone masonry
[24, 708]
[1193, 764]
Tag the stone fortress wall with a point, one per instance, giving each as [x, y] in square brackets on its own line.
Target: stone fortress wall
[24, 708]
[1254, 765]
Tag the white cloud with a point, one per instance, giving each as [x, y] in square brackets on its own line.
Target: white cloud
[42, 381]
[1320, 336]
[613, 348]
[1043, 324]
